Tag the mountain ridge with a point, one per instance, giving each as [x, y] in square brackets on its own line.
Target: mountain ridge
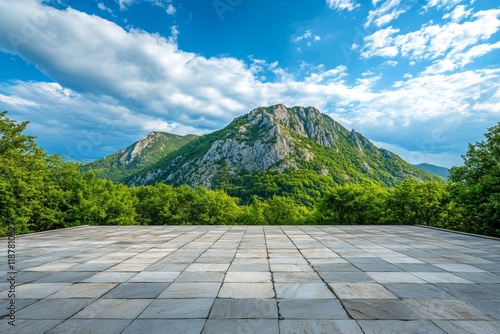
[282, 146]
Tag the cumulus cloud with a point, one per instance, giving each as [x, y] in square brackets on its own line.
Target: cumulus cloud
[454, 44]
[171, 10]
[387, 12]
[348, 5]
[458, 13]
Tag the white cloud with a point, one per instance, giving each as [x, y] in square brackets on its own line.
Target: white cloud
[103, 7]
[454, 43]
[458, 13]
[171, 10]
[348, 5]
[387, 12]
[307, 36]
[440, 4]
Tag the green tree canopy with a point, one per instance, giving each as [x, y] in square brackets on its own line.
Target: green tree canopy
[476, 184]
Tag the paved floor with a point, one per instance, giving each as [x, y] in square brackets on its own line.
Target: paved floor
[253, 279]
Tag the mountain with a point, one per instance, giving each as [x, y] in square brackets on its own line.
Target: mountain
[272, 150]
[142, 154]
[433, 169]
[70, 158]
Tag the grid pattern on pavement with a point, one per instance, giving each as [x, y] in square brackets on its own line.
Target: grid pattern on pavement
[253, 279]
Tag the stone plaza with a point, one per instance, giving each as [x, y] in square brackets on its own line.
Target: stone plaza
[252, 279]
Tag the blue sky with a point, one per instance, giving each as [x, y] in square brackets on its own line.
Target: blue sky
[421, 78]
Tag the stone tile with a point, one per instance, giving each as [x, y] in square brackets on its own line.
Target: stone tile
[417, 291]
[433, 277]
[94, 326]
[114, 309]
[483, 277]
[469, 291]
[84, 290]
[249, 267]
[53, 309]
[154, 326]
[136, 291]
[28, 326]
[39, 290]
[207, 267]
[328, 309]
[418, 267]
[296, 277]
[446, 309]
[458, 267]
[361, 291]
[398, 327]
[191, 290]
[110, 277]
[129, 267]
[245, 309]
[89, 267]
[155, 277]
[250, 277]
[66, 277]
[394, 277]
[178, 309]
[319, 326]
[472, 327]
[291, 267]
[337, 267]
[246, 290]
[261, 326]
[346, 277]
[199, 276]
[368, 267]
[55, 266]
[488, 307]
[380, 309]
[302, 290]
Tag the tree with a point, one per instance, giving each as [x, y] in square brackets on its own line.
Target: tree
[413, 202]
[475, 186]
[352, 204]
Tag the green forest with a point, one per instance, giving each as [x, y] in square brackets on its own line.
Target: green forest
[40, 192]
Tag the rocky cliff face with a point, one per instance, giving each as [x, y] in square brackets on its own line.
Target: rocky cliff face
[279, 139]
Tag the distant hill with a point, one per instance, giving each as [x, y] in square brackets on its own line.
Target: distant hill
[140, 155]
[276, 150]
[433, 169]
[70, 158]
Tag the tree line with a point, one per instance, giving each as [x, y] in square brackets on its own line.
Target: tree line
[40, 192]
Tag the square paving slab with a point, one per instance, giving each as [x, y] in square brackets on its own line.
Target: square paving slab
[252, 279]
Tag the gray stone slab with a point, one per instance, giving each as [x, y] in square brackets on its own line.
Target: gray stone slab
[346, 277]
[246, 290]
[178, 309]
[199, 276]
[319, 327]
[417, 291]
[484, 277]
[302, 290]
[470, 327]
[155, 277]
[241, 326]
[469, 291]
[249, 267]
[53, 309]
[28, 326]
[94, 326]
[296, 277]
[19, 304]
[380, 309]
[398, 327]
[245, 309]
[154, 326]
[39, 290]
[436, 277]
[418, 267]
[446, 309]
[361, 291]
[394, 277]
[249, 277]
[368, 267]
[314, 308]
[136, 290]
[113, 309]
[66, 277]
[489, 307]
[84, 290]
[110, 277]
[191, 290]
